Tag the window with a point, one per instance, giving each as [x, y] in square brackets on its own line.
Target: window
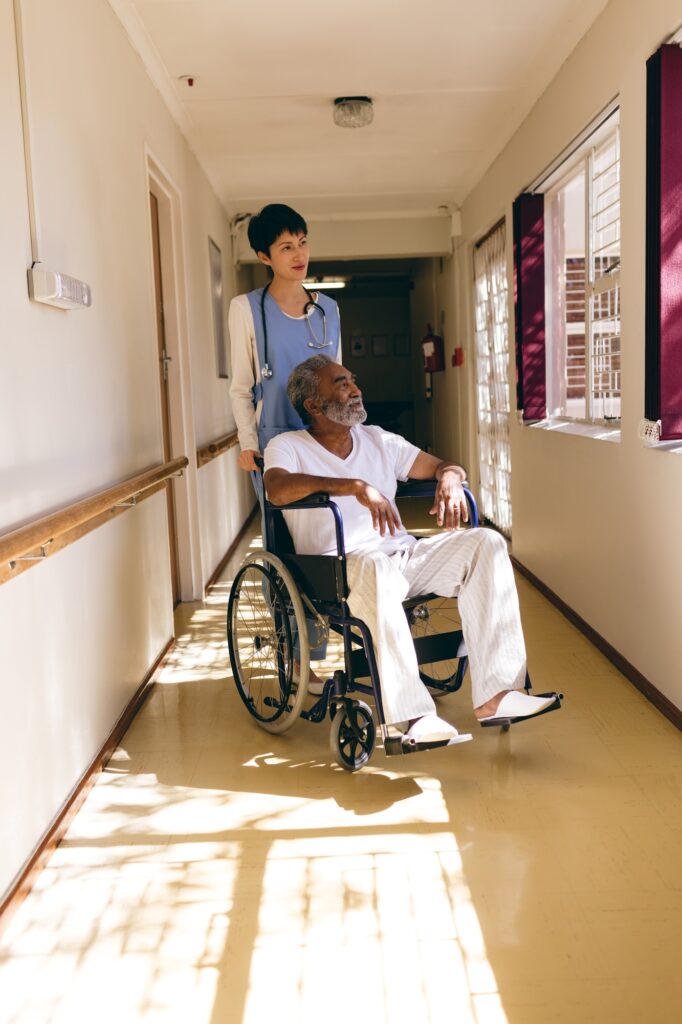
[492, 378]
[582, 282]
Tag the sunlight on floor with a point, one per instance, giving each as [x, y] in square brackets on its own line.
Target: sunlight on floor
[220, 875]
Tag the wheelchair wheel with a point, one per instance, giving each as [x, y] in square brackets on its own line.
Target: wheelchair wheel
[352, 735]
[265, 618]
[429, 618]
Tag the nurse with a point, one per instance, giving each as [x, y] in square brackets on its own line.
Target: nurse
[273, 329]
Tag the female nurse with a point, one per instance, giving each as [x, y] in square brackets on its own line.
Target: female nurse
[272, 330]
[275, 328]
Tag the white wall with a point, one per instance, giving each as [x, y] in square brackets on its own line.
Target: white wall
[442, 421]
[80, 407]
[226, 495]
[388, 237]
[597, 522]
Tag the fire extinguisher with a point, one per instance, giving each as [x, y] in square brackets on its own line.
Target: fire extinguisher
[433, 352]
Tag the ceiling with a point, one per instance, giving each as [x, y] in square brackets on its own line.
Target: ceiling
[450, 80]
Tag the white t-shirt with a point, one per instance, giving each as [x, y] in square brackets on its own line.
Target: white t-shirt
[378, 457]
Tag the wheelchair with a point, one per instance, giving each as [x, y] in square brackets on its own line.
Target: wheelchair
[282, 603]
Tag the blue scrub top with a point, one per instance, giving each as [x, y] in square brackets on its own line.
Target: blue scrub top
[290, 342]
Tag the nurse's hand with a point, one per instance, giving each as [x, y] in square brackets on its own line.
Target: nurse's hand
[247, 459]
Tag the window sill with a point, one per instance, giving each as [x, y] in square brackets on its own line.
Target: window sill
[596, 431]
[664, 446]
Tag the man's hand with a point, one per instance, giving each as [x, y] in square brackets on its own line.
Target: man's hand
[449, 504]
[384, 515]
[247, 460]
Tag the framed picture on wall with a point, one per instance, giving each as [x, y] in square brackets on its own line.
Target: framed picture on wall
[379, 345]
[220, 341]
[358, 346]
[401, 344]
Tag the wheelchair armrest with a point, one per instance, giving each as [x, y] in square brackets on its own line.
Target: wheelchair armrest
[416, 489]
[427, 489]
[317, 500]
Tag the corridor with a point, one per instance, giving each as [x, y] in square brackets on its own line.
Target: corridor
[476, 209]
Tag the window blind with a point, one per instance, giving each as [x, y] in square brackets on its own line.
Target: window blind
[529, 305]
[663, 348]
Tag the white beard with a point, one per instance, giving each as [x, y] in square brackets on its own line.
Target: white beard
[349, 414]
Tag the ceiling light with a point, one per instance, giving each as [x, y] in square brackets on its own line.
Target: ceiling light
[324, 283]
[353, 111]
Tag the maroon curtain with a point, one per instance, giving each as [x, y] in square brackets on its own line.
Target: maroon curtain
[529, 305]
[663, 350]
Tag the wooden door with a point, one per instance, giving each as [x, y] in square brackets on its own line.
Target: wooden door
[164, 371]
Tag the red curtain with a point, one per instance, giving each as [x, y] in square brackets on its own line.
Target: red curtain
[529, 305]
[663, 350]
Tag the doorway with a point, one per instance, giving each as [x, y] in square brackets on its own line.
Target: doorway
[164, 361]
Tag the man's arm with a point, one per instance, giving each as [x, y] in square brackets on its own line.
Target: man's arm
[428, 467]
[449, 504]
[283, 487]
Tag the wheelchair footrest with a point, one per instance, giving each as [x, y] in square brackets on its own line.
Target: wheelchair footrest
[394, 745]
[505, 723]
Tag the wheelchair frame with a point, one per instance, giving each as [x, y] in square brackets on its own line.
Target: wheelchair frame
[322, 580]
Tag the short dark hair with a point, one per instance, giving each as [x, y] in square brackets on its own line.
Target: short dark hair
[273, 220]
[304, 383]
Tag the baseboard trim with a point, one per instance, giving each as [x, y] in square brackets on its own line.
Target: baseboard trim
[218, 571]
[644, 685]
[24, 881]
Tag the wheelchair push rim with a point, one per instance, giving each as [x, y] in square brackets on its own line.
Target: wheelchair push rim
[264, 617]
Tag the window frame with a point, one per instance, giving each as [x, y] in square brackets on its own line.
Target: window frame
[581, 159]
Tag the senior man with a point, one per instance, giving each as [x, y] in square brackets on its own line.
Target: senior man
[360, 467]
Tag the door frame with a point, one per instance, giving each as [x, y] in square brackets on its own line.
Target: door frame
[182, 433]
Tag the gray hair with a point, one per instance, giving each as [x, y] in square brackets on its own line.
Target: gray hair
[304, 383]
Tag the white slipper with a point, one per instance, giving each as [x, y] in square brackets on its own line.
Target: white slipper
[518, 704]
[430, 729]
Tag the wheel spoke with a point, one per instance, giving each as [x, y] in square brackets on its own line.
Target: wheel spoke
[260, 611]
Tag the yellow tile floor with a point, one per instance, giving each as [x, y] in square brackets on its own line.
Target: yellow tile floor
[219, 874]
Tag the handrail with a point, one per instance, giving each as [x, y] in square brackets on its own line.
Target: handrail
[19, 548]
[211, 451]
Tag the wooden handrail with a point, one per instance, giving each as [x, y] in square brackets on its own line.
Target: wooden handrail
[29, 544]
[215, 448]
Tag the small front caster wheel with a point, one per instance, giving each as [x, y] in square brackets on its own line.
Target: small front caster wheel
[352, 735]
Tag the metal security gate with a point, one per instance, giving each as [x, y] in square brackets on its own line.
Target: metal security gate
[492, 378]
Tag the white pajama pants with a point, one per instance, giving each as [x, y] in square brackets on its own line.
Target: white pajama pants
[472, 565]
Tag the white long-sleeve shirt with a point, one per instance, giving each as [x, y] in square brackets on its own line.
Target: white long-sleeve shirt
[246, 370]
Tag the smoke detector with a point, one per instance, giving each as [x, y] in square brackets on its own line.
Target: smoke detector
[353, 111]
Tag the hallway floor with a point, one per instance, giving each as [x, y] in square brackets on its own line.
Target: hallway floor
[219, 874]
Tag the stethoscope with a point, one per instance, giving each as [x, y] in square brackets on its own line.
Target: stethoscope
[266, 372]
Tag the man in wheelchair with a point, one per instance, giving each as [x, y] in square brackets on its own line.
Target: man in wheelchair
[360, 466]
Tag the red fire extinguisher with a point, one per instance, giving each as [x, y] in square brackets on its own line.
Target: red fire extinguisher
[433, 351]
